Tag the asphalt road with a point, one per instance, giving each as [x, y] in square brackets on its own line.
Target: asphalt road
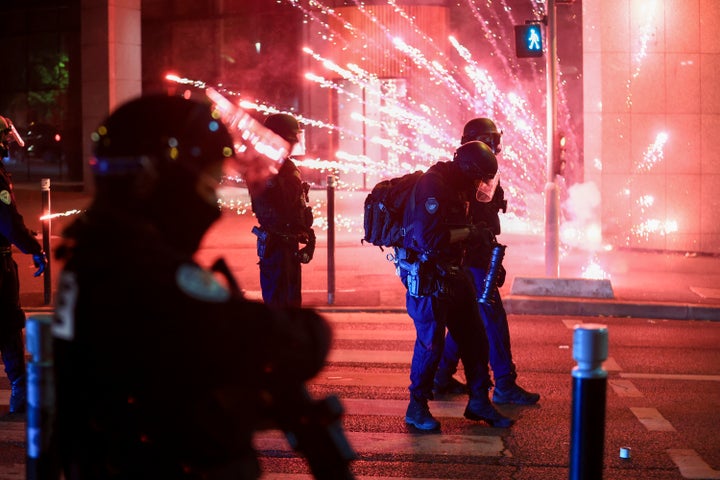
[663, 402]
[663, 392]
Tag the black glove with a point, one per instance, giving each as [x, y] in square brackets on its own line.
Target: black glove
[40, 261]
[480, 236]
[306, 253]
[501, 276]
[499, 199]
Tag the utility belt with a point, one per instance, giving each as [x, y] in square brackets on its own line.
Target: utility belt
[423, 277]
[266, 237]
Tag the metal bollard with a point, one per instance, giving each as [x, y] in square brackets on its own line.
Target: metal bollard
[40, 463]
[589, 385]
[331, 184]
[46, 224]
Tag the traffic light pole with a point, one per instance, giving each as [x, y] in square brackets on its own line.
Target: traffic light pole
[552, 196]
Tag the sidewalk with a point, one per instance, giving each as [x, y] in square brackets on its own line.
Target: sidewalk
[652, 284]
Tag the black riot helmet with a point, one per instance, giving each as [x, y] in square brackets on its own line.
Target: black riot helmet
[157, 133]
[476, 160]
[484, 130]
[284, 125]
[161, 157]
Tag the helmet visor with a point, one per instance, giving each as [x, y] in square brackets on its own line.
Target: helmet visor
[492, 140]
[486, 189]
[298, 149]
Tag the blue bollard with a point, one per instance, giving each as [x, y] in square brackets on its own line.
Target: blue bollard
[589, 385]
[40, 463]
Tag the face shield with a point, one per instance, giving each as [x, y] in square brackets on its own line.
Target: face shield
[298, 150]
[259, 152]
[10, 134]
[485, 188]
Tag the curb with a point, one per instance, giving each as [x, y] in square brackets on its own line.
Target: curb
[527, 305]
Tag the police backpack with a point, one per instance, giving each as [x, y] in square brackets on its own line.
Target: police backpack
[385, 208]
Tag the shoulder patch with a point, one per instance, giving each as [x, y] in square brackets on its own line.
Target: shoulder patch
[431, 205]
[200, 284]
[5, 197]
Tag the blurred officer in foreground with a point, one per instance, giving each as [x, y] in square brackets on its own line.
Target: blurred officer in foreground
[491, 309]
[162, 369]
[12, 318]
[281, 207]
[440, 294]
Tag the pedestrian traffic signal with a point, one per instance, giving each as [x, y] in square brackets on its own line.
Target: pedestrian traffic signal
[528, 40]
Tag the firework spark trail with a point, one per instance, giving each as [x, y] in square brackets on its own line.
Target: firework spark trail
[506, 47]
[66, 213]
[428, 66]
[654, 154]
[646, 31]
[391, 108]
[434, 68]
[521, 158]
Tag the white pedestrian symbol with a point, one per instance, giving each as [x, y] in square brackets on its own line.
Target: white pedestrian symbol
[534, 40]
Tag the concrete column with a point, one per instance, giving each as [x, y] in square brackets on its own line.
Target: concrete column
[111, 63]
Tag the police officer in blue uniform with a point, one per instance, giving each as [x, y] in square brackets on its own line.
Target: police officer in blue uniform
[439, 293]
[12, 318]
[492, 311]
[281, 207]
[163, 369]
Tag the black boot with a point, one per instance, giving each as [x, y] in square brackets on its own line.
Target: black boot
[13, 357]
[451, 387]
[418, 415]
[18, 395]
[508, 391]
[482, 409]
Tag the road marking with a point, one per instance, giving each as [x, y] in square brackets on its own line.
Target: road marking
[571, 323]
[397, 408]
[13, 472]
[330, 376]
[372, 356]
[373, 334]
[400, 443]
[672, 376]
[304, 476]
[12, 432]
[624, 388]
[369, 317]
[691, 465]
[652, 419]
[611, 365]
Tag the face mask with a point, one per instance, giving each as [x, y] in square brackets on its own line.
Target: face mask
[486, 189]
[182, 215]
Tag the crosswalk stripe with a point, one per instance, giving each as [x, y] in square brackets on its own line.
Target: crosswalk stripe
[396, 408]
[400, 444]
[304, 476]
[333, 376]
[376, 356]
[373, 334]
[17, 472]
[652, 419]
[12, 432]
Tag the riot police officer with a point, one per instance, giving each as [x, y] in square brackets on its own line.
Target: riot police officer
[439, 293]
[12, 318]
[163, 370]
[492, 311]
[281, 207]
